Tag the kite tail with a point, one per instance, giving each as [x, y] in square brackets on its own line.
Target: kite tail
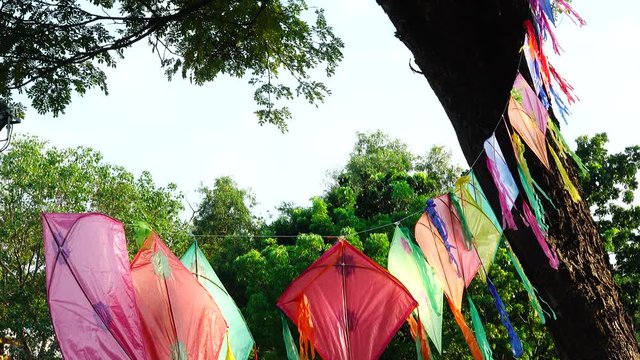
[573, 14]
[419, 336]
[229, 355]
[561, 144]
[289, 344]
[305, 328]
[481, 335]
[531, 291]
[566, 88]
[468, 236]
[507, 217]
[527, 181]
[516, 344]
[466, 331]
[531, 220]
[537, 52]
[442, 229]
[568, 185]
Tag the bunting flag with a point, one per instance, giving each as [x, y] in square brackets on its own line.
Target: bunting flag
[527, 181]
[530, 103]
[239, 334]
[502, 178]
[289, 344]
[89, 288]
[561, 144]
[180, 320]
[485, 233]
[407, 264]
[530, 131]
[354, 306]
[568, 184]
[514, 340]
[481, 335]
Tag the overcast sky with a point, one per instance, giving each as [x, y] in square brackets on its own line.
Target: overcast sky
[190, 135]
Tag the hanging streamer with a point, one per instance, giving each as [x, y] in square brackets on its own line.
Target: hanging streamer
[466, 332]
[568, 185]
[527, 181]
[229, 355]
[305, 329]
[561, 144]
[533, 298]
[514, 340]
[537, 54]
[502, 178]
[566, 88]
[418, 335]
[289, 344]
[573, 14]
[534, 70]
[481, 335]
[540, 236]
[530, 103]
[437, 222]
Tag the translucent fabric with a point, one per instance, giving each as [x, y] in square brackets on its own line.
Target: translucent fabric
[530, 103]
[239, 334]
[529, 130]
[486, 236]
[434, 251]
[180, 320]
[407, 264]
[356, 306]
[89, 287]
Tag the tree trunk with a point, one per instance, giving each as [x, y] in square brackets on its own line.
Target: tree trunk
[469, 51]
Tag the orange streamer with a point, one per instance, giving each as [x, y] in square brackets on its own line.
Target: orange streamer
[305, 328]
[466, 331]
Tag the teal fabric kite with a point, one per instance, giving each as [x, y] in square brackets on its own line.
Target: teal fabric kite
[240, 336]
[408, 265]
[289, 343]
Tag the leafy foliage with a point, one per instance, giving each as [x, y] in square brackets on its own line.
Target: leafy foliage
[610, 190]
[36, 178]
[51, 49]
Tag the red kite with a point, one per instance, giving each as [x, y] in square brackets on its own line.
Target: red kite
[354, 306]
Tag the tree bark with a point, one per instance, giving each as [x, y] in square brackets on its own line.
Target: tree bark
[469, 51]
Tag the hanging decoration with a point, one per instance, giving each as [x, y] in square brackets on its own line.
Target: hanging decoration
[514, 340]
[530, 131]
[238, 334]
[355, 305]
[540, 235]
[481, 334]
[527, 181]
[408, 265]
[417, 331]
[89, 288]
[180, 320]
[289, 344]
[568, 184]
[531, 291]
[503, 180]
[561, 144]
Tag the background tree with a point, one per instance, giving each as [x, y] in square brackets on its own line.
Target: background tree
[469, 51]
[34, 178]
[609, 190]
[49, 50]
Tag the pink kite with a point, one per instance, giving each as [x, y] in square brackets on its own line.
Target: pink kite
[89, 288]
[180, 320]
[347, 305]
[530, 103]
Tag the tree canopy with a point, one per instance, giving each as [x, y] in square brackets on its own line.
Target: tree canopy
[49, 50]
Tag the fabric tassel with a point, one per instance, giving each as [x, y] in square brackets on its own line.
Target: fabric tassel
[468, 236]
[562, 107]
[229, 355]
[537, 53]
[534, 70]
[573, 14]
[527, 181]
[516, 344]
[481, 335]
[442, 229]
[507, 216]
[540, 236]
[289, 344]
[566, 88]
[568, 185]
[305, 329]
[561, 144]
[531, 291]
[419, 336]
[545, 5]
[466, 331]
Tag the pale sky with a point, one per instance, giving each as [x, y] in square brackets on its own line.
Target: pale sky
[190, 135]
